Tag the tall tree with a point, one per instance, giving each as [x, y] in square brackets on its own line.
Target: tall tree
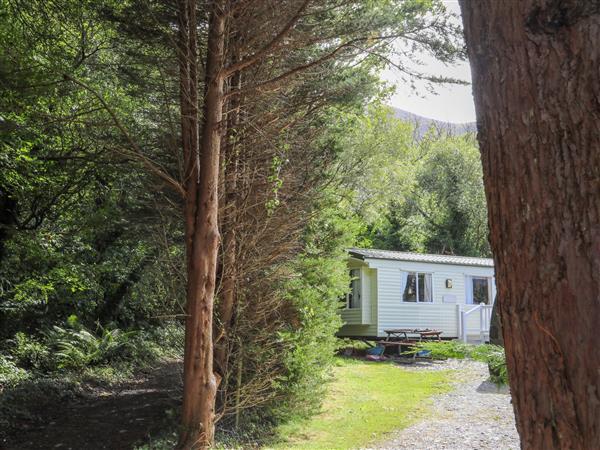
[273, 46]
[201, 169]
[536, 86]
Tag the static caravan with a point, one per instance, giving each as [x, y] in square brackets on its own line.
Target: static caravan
[391, 290]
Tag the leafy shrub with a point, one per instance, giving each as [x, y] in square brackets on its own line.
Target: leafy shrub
[448, 349]
[493, 355]
[284, 342]
[10, 374]
[29, 353]
[166, 340]
[497, 365]
[77, 349]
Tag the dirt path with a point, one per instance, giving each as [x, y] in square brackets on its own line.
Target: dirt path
[116, 419]
[475, 415]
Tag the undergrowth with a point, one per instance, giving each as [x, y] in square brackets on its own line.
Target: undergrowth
[60, 363]
[492, 355]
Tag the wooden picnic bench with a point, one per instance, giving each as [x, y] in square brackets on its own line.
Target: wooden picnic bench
[403, 333]
[402, 346]
[399, 338]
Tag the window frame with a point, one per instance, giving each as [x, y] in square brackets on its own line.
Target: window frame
[489, 281]
[358, 279]
[417, 273]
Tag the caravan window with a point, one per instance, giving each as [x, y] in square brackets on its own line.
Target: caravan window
[353, 298]
[481, 291]
[416, 287]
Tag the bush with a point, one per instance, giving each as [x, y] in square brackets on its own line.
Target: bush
[78, 349]
[167, 339]
[493, 355]
[497, 366]
[29, 353]
[10, 374]
[283, 344]
[448, 349]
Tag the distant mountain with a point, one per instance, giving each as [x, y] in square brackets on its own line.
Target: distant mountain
[424, 123]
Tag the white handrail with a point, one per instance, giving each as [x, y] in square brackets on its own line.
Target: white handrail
[485, 312]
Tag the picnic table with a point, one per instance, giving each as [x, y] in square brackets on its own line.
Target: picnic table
[408, 338]
[402, 334]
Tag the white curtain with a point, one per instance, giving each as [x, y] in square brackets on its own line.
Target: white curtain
[469, 290]
[428, 297]
[403, 280]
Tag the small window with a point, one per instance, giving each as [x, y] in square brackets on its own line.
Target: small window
[417, 287]
[353, 297]
[481, 291]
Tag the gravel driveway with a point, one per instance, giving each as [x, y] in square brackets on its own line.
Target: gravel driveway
[475, 415]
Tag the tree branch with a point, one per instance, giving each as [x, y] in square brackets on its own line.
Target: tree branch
[136, 150]
[254, 58]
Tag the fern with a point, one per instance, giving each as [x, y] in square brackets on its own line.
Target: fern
[77, 349]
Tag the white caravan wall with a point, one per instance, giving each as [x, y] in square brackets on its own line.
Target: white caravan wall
[394, 313]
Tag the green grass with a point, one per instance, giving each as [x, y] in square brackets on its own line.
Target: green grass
[364, 401]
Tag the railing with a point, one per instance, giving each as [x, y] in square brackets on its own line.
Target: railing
[485, 319]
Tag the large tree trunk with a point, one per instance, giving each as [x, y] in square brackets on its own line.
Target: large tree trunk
[201, 211]
[537, 90]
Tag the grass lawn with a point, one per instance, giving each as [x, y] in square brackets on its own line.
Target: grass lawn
[364, 401]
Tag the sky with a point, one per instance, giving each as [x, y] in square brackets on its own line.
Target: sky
[450, 103]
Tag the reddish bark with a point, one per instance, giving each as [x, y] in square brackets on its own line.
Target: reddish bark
[537, 90]
[229, 226]
[201, 210]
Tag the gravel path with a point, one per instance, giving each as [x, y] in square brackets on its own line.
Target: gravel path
[475, 415]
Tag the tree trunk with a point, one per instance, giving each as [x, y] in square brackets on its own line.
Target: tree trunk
[229, 228]
[202, 233]
[537, 90]
[496, 325]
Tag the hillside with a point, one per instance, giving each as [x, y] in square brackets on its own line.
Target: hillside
[424, 123]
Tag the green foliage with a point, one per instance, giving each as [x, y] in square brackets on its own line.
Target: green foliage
[422, 195]
[78, 349]
[497, 364]
[448, 199]
[29, 353]
[289, 356]
[314, 294]
[80, 231]
[10, 373]
[448, 349]
[493, 355]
